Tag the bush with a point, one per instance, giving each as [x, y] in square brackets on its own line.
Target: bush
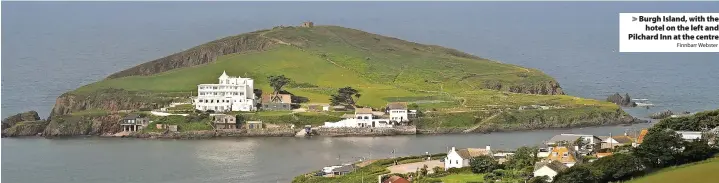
[483, 164]
[617, 167]
[540, 179]
[577, 173]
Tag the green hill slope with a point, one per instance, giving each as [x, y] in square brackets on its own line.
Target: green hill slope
[461, 89]
[323, 58]
[700, 172]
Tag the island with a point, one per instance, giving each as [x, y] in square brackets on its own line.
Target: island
[324, 74]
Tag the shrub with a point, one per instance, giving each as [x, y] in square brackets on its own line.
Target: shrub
[483, 164]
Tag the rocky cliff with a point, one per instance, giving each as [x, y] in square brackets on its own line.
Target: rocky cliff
[108, 99]
[25, 116]
[625, 101]
[202, 54]
[25, 128]
[70, 125]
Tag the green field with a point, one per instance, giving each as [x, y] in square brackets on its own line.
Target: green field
[701, 172]
[322, 59]
[463, 178]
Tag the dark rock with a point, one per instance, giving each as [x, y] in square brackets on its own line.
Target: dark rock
[25, 116]
[661, 115]
[625, 101]
[25, 128]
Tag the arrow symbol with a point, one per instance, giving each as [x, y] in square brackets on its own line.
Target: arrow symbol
[634, 19]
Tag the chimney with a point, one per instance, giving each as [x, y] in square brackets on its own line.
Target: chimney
[487, 148]
[452, 150]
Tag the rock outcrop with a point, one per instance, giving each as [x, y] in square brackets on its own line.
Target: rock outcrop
[108, 99]
[662, 115]
[25, 128]
[625, 101]
[25, 116]
[202, 54]
[71, 125]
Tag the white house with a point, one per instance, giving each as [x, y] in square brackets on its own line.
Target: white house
[363, 117]
[230, 94]
[398, 111]
[591, 140]
[460, 158]
[690, 135]
[549, 169]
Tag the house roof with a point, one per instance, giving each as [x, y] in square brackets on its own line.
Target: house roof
[603, 137]
[397, 105]
[284, 98]
[557, 154]
[363, 111]
[131, 116]
[554, 165]
[568, 138]
[345, 168]
[600, 155]
[643, 133]
[395, 179]
[473, 152]
[623, 139]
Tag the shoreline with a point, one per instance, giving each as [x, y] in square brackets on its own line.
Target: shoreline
[209, 135]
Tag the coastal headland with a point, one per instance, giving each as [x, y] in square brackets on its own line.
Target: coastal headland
[455, 92]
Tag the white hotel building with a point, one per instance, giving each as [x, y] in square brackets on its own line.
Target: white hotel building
[231, 94]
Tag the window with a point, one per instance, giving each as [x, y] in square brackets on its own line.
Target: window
[456, 162]
[565, 154]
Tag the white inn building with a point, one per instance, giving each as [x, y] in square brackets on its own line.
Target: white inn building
[231, 94]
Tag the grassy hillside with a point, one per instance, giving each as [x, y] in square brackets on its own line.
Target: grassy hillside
[321, 59]
[701, 172]
[324, 58]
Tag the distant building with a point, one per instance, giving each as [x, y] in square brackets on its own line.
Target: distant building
[565, 155]
[363, 117]
[690, 135]
[590, 140]
[343, 170]
[281, 102]
[318, 107]
[398, 111]
[253, 125]
[549, 169]
[307, 24]
[172, 128]
[395, 179]
[614, 141]
[640, 138]
[224, 121]
[231, 94]
[460, 158]
[133, 122]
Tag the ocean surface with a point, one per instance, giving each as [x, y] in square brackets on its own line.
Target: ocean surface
[49, 48]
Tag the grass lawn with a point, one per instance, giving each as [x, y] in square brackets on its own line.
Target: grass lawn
[702, 172]
[463, 178]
